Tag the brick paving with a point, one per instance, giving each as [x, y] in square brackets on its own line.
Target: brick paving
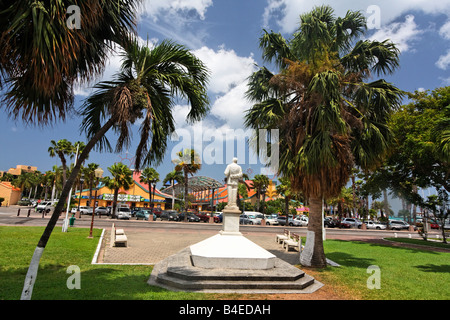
[150, 246]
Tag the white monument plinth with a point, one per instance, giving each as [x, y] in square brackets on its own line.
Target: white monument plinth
[230, 249]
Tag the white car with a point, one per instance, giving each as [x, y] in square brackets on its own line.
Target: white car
[271, 220]
[249, 219]
[299, 221]
[375, 225]
[44, 207]
[123, 213]
[398, 225]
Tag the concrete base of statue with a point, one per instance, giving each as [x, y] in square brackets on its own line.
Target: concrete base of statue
[230, 249]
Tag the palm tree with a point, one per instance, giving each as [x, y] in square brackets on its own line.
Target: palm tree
[41, 57]
[62, 148]
[329, 118]
[121, 179]
[150, 176]
[147, 86]
[89, 178]
[189, 162]
[172, 177]
[24, 182]
[259, 183]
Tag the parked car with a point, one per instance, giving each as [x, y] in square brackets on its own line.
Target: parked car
[329, 222]
[218, 217]
[169, 215]
[203, 217]
[190, 217]
[123, 213]
[85, 210]
[157, 212]
[374, 225]
[271, 220]
[44, 207]
[350, 223]
[248, 219]
[299, 221]
[398, 225]
[101, 210]
[144, 214]
[282, 220]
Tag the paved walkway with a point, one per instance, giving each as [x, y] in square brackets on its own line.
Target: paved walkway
[150, 246]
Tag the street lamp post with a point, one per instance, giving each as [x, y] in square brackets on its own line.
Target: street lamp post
[98, 174]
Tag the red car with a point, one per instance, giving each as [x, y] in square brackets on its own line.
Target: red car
[203, 217]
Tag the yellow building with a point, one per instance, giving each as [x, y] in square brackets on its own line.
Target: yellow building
[7, 190]
[10, 193]
[17, 171]
[136, 196]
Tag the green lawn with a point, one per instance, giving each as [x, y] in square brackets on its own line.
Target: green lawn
[405, 273]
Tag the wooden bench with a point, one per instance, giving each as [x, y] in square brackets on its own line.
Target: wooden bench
[295, 241]
[281, 237]
[118, 236]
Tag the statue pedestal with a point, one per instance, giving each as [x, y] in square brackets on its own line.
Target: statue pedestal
[230, 221]
[230, 249]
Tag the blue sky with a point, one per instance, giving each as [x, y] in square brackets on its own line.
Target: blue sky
[224, 34]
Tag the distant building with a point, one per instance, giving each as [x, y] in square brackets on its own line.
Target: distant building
[10, 193]
[7, 190]
[136, 196]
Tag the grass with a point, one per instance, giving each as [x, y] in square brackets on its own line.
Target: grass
[405, 273]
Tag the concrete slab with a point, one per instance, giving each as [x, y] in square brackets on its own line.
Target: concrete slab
[231, 252]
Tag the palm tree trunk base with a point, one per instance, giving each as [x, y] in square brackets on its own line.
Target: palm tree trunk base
[32, 274]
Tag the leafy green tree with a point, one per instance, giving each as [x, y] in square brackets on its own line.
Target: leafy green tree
[172, 177]
[329, 117]
[145, 88]
[121, 179]
[260, 182]
[419, 158]
[41, 57]
[150, 176]
[188, 162]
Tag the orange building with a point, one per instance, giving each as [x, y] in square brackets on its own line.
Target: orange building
[10, 193]
[136, 196]
[202, 200]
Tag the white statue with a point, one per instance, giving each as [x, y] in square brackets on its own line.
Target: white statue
[233, 172]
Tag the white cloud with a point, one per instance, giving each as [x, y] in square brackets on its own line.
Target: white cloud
[444, 61]
[400, 33]
[227, 68]
[157, 8]
[286, 13]
[445, 30]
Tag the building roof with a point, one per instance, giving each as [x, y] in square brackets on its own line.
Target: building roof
[196, 184]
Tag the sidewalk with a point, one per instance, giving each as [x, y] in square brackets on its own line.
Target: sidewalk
[150, 246]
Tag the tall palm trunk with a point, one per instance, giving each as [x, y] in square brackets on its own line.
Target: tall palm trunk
[34, 264]
[186, 188]
[313, 254]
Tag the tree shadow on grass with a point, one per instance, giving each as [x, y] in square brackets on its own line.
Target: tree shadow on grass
[96, 283]
[434, 268]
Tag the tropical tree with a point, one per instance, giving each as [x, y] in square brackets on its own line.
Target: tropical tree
[24, 182]
[42, 55]
[121, 179]
[329, 118]
[89, 178]
[172, 177]
[150, 176]
[260, 182]
[62, 148]
[189, 162]
[144, 90]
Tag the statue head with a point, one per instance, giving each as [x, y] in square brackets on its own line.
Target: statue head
[235, 160]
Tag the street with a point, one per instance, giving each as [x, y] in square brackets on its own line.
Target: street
[8, 216]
